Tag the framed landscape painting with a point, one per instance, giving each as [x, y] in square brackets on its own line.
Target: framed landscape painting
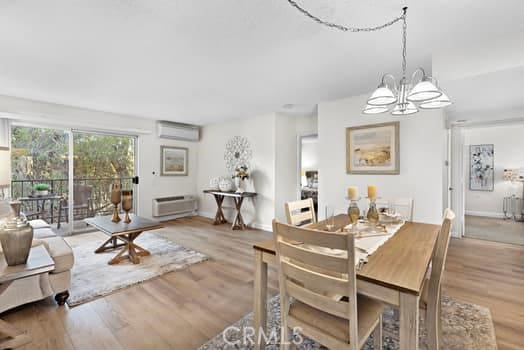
[373, 149]
[173, 161]
[481, 167]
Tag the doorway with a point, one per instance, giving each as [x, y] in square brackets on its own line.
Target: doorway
[74, 169]
[492, 175]
[308, 168]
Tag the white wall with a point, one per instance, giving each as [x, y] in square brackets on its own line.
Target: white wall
[260, 131]
[422, 155]
[288, 128]
[509, 143]
[151, 186]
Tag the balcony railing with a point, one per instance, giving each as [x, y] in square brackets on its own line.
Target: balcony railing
[100, 196]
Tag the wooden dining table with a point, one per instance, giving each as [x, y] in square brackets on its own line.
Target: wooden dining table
[394, 274]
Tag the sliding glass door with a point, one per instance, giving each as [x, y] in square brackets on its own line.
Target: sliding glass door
[63, 176]
[98, 161]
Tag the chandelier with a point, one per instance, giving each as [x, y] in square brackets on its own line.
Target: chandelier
[406, 96]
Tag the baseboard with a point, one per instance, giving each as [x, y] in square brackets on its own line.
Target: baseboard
[262, 227]
[256, 225]
[485, 214]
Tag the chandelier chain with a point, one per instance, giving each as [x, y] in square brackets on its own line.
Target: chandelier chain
[404, 45]
[345, 28]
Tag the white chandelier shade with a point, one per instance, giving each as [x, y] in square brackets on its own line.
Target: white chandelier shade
[425, 90]
[382, 96]
[439, 102]
[404, 109]
[375, 109]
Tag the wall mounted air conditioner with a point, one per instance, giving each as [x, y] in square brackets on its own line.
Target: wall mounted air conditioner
[175, 205]
[178, 131]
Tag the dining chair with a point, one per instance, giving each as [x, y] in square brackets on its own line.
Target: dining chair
[301, 212]
[430, 299]
[310, 270]
[404, 207]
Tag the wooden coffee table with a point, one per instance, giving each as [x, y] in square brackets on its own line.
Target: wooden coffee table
[122, 235]
[39, 262]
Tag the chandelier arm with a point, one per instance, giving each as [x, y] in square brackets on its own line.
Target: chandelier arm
[392, 78]
[345, 28]
[418, 70]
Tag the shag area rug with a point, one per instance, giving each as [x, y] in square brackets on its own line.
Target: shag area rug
[464, 327]
[93, 277]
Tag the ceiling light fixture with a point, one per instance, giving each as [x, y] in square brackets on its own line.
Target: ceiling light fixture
[406, 94]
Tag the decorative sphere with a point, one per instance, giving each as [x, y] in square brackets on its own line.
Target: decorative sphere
[225, 185]
[214, 183]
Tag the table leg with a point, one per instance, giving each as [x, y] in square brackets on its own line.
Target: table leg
[112, 242]
[238, 223]
[133, 250]
[409, 313]
[10, 337]
[260, 300]
[219, 217]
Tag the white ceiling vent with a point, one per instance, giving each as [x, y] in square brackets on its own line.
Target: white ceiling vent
[178, 131]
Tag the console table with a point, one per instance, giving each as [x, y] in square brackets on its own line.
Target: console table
[238, 198]
[39, 262]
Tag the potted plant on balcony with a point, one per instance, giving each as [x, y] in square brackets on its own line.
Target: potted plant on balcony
[41, 190]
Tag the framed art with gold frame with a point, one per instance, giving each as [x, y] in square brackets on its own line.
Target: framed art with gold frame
[373, 149]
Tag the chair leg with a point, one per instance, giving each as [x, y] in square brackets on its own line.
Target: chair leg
[285, 339]
[377, 335]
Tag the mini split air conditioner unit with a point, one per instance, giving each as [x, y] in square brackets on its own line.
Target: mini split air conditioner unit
[178, 131]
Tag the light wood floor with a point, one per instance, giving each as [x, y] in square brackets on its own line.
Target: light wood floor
[182, 310]
[493, 229]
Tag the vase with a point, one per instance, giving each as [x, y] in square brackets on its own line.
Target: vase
[16, 237]
[239, 184]
[372, 215]
[354, 214]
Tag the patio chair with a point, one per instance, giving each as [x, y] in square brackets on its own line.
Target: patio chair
[82, 206]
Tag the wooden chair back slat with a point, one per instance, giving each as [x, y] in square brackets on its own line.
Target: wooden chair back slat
[324, 283]
[315, 259]
[318, 301]
[333, 240]
[301, 212]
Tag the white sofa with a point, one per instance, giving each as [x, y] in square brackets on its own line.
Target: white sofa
[38, 287]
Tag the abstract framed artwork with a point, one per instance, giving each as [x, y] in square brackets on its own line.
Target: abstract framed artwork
[373, 149]
[173, 161]
[481, 167]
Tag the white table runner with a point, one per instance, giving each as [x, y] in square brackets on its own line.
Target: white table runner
[367, 241]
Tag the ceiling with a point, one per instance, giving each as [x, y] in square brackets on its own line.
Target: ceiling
[199, 61]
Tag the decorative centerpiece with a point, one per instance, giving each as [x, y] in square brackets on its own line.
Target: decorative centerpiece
[353, 210]
[16, 236]
[225, 185]
[116, 197]
[127, 204]
[41, 190]
[240, 175]
[372, 214]
[214, 183]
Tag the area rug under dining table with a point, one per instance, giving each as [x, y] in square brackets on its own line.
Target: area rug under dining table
[465, 326]
[93, 277]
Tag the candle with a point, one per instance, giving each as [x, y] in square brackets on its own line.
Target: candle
[372, 191]
[353, 193]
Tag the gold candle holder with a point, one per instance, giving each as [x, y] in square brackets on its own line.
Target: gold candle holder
[127, 204]
[116, 197]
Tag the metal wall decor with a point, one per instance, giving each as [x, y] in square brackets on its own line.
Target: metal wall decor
[238, 153]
